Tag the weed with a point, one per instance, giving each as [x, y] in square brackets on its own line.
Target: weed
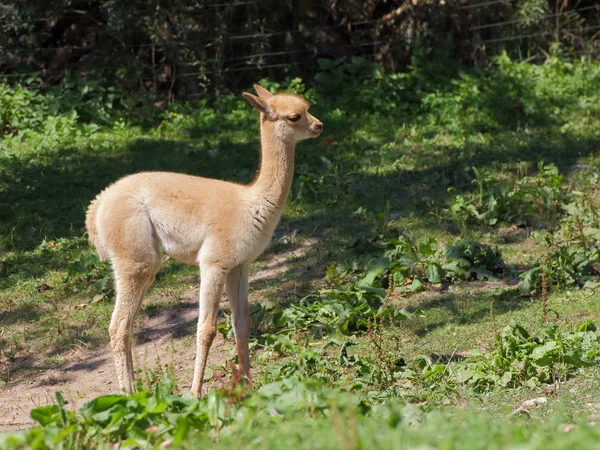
[384, 343]
[407, 265]
[527, 201]
[11, 347]
[572, 251]
[520, 358]
[344, 309]
[88, 270]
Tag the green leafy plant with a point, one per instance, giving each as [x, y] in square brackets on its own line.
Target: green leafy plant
[89, 270]
[572, 252]
[347, 309]
[467, 259]
[406, 265]
[526, 201]
[336, 71]
[522, 358]
[147, 419]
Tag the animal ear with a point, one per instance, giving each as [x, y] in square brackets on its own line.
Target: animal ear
[262, 92]
[260, 105]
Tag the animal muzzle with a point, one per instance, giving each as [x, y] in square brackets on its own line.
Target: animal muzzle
[316, 128]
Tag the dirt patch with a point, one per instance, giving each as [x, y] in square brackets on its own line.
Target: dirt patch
[88, 374]
[164, 338]
[278, 264]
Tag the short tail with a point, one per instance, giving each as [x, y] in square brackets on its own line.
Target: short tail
[90, 224]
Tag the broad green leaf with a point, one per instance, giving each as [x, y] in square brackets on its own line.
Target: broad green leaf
[46, 415]
[100, 404]
[374, 269]
[434, 273]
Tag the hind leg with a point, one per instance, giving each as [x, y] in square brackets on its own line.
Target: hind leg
[132, 279]
[128, 237]
[237, 293]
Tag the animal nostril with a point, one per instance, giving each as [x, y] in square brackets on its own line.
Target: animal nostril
[318, 126]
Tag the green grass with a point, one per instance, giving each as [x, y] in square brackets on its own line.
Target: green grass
[438, 430]
[396, 157]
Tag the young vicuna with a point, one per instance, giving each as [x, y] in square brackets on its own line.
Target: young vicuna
[218, 225]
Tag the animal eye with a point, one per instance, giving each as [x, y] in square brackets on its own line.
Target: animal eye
[294, 118]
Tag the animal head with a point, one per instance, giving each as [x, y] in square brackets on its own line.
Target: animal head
[289, 113]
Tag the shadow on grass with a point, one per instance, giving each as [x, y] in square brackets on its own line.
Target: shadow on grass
[22, 313]
[424, 190]
[48, 200]
[463, 309]
[177, 322]
[46, 197]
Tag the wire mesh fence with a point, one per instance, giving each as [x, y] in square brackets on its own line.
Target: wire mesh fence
[218, 43]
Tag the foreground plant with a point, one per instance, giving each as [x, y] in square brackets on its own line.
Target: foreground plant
[146, 419]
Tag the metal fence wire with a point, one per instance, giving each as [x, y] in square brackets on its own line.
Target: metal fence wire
[389, 39]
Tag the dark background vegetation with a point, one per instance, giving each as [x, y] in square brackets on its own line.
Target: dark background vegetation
[184, 48]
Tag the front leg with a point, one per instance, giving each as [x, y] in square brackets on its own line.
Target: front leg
[237, 293]
[211, 288]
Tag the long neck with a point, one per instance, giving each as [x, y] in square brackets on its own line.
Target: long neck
[276, 172]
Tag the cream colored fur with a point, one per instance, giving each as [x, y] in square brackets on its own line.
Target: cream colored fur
[220, 226]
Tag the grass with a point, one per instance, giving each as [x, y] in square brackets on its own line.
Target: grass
[386, 322]
[437, 431]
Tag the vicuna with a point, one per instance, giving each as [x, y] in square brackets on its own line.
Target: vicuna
[220, 226]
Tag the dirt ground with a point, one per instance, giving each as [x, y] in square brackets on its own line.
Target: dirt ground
[88, 374]
[164, 338]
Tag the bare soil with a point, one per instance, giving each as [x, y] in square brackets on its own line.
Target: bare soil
[86, 374]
